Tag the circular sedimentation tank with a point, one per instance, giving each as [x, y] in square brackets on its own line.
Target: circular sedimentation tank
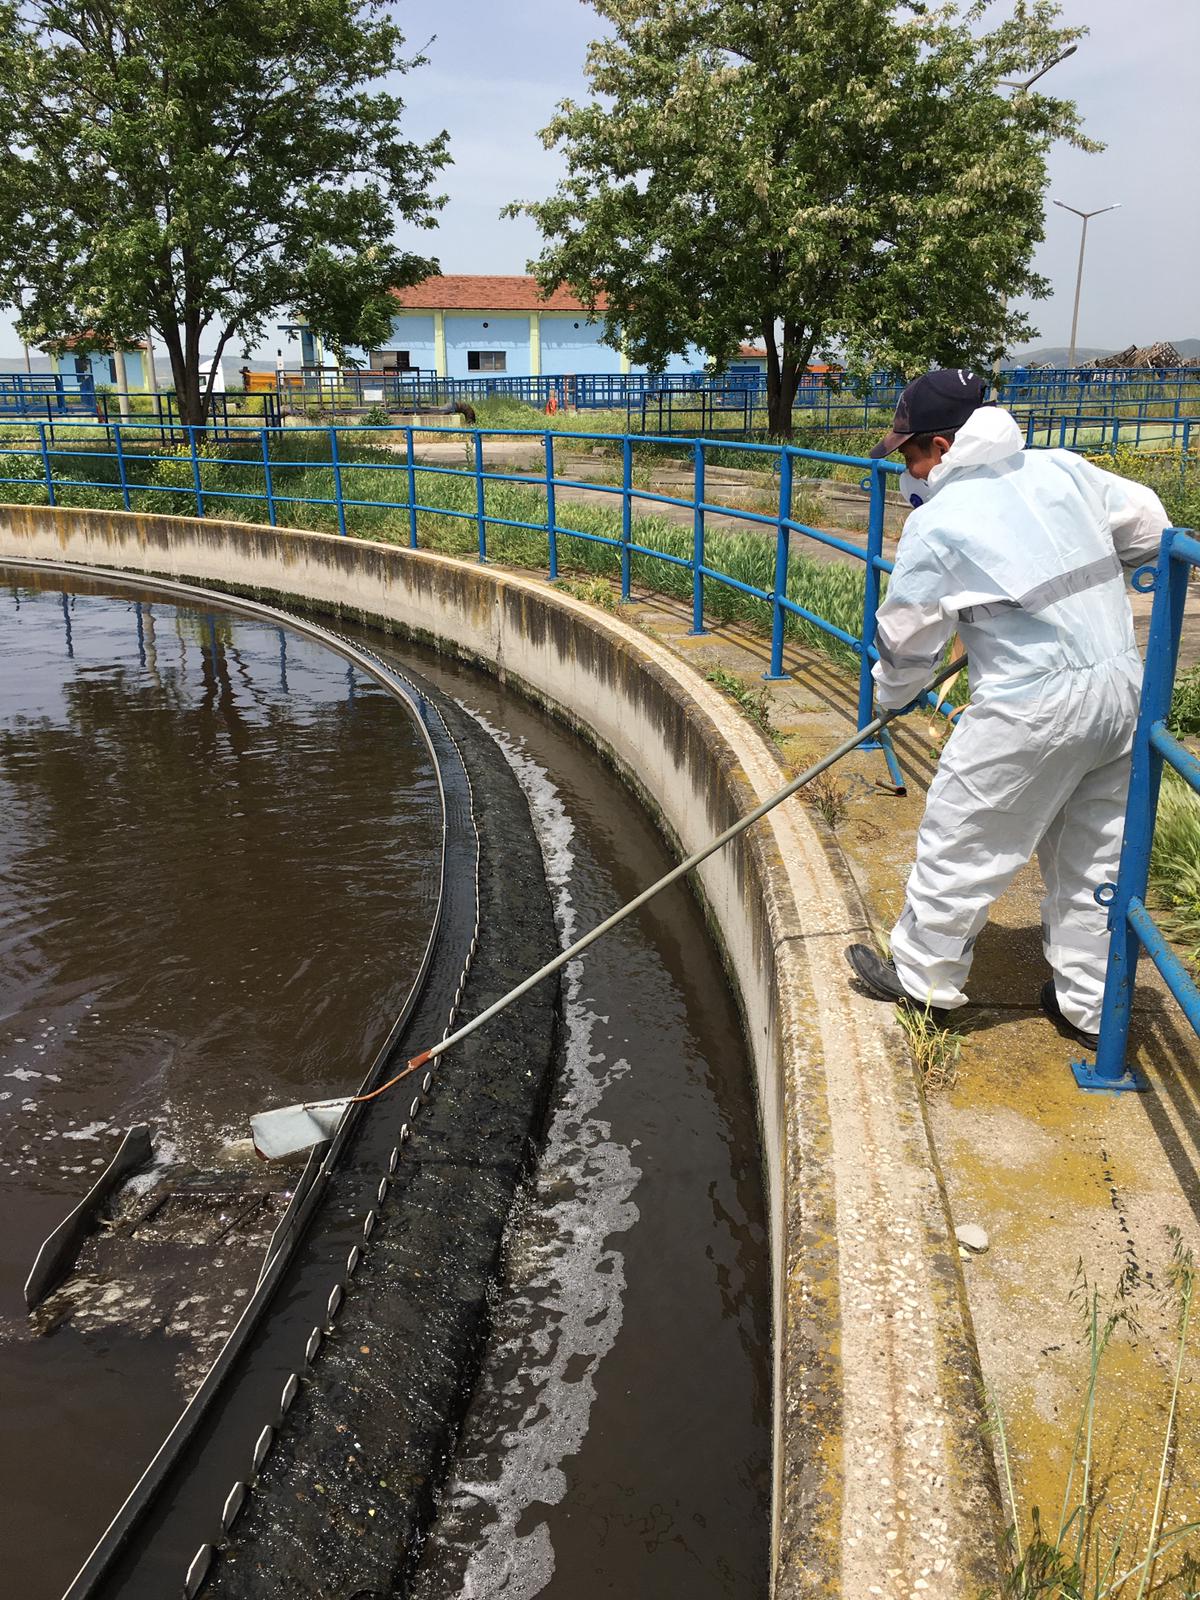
[522, 1343]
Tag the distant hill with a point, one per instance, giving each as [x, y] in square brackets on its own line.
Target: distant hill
[1055, 355]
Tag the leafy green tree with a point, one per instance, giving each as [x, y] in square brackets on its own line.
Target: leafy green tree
[191, 167]
[847, 178]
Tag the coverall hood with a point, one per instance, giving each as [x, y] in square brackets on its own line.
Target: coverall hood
[988, 438]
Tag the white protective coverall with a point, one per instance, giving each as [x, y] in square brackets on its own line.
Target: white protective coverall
[1022, 553]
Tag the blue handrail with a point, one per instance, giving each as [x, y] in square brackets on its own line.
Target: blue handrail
[128, 440]
[1131, 927]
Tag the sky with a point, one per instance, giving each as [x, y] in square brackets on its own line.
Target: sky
[498, 67]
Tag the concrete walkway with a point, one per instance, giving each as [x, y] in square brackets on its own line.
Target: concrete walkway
[1070, 1187]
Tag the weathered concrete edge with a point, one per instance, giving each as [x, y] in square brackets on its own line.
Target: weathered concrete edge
[867, 1302]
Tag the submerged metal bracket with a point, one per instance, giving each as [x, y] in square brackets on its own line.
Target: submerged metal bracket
[57, 1255]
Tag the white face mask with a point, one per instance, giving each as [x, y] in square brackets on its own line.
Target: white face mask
[913, 489]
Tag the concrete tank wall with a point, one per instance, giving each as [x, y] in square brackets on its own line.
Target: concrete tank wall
[859, 1226]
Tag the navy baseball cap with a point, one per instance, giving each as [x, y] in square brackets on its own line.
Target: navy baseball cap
[936, 402]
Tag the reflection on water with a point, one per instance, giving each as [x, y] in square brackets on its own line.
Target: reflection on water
[217, 872]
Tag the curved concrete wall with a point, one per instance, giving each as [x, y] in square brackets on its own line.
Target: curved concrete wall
[882, 1484]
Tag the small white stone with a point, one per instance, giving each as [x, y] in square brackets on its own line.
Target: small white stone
[972, 1235]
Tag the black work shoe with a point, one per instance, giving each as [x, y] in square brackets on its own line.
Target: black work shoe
[879, 978]
[874, 973]
[1054, 1011]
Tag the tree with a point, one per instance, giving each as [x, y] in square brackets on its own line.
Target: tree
[192, 166]
[836, 177]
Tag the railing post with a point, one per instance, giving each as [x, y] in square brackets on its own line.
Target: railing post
[116, 432]
[337, 481]
[697, 537]
[197, 486]
[1162, 653]
[480, 503]
[268, 485]
[412, 487]
[866, 683]
[551, 513]
[782, 543]
[626, 513]
[866, 686]
[50, 500]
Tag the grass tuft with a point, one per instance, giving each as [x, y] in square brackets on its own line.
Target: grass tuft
[936, 1050]
[1175, 863]
[595, 592]
[828, 798]
[1084, 1557]
[1185, 705]
[755, 703]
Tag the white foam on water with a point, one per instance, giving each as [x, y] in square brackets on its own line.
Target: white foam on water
[164, 1156]
[563, 1302]
[92, 1130]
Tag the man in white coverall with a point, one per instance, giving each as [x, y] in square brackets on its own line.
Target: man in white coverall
[1023, 554]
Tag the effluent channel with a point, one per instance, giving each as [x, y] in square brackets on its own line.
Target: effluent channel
[508, 1334]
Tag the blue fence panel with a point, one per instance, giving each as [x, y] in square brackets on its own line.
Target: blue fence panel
[658, 401]
[46, 394]
[133, 442]
[1131, 927]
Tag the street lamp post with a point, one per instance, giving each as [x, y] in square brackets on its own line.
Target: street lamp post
[1086, 215]
[1022, 86]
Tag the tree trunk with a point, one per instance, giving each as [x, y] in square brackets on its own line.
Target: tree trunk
[784, 372]
[190, 395]
[780, 398]
[174, 344]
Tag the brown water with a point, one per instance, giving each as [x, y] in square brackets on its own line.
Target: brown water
[217, 872]
[214, 879]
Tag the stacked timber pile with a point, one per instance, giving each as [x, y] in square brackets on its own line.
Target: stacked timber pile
[1162, 354]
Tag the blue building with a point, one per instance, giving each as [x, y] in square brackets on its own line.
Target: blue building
[101, 365]
[465, 326]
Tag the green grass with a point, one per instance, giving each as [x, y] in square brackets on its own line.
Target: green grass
[936, 1050]
[1185, 705]
[595, 591]
[1175, 863]
[754, 703]
[1174, 480]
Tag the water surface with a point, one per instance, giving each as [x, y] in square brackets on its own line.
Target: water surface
[218, 850]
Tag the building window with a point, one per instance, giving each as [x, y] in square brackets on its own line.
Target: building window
[487, 360]
[389, 360]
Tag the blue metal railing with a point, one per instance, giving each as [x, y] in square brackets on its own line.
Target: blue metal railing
[1131, 927]
[1148, 426]
[266, 453]
[831, 396]
[46, 394]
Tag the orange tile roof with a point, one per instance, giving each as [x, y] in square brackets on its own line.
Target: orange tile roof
[750, 351]
[71, 341]
[468, 292]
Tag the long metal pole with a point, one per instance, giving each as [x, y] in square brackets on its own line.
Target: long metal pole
[870, 731]
[1078, 288]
